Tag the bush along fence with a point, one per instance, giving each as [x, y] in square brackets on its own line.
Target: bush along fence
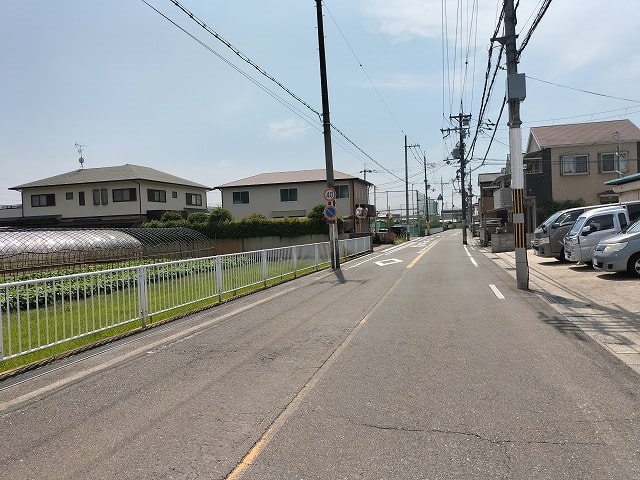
[41, 314]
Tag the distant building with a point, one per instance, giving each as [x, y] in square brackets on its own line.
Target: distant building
[574, 162]
[122, 196]
[627, 188]
[295, 193]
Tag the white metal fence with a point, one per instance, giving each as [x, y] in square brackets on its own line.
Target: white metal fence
[40, 313]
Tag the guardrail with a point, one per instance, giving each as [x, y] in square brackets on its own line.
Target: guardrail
[41, 313]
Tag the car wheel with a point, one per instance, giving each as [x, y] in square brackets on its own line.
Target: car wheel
[633, 267]
[561, 257]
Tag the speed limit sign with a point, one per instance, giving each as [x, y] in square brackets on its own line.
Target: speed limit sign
[329, 194]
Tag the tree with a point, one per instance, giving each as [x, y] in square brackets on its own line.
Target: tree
[219, 215]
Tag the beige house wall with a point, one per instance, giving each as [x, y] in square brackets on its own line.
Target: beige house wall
[71, 208]
[587, 186]
[265, 199]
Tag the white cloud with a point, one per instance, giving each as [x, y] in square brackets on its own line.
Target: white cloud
[286, 129]
[404, 82]
[404, 19]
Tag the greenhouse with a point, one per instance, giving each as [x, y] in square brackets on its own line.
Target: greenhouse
[36, 249]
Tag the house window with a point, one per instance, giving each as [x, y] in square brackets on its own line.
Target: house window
[342, 191]
[288, 194]
[614, 162]
[533, 165]
[574, 164]
[68, 195]
[194, 199]
[44, 200]
[174, 194]
[124, 195]
[240, 197]
[156, 195]
[100, 196]
[81, 199]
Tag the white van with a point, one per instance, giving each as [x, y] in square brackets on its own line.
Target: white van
[591, 227]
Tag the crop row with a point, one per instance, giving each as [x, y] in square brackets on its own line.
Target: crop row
[32, 295]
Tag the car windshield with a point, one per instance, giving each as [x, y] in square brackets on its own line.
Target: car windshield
[634, 228]
[550, 219]
[577, 227]
[567, 218]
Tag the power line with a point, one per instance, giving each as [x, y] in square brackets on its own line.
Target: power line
[583, 91]
[364, 70]
[263, 72]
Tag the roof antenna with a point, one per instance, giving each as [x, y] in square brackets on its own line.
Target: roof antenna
[81, 160]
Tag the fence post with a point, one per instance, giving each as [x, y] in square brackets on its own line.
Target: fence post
[143, 298]
[219, 278]
[294, 253]
[2, 329]
[265, 269]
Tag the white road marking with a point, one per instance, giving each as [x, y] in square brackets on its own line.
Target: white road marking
[496, 292]
[473, 260]
[389, 261]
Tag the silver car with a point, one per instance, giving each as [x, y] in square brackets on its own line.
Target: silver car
[620, 253]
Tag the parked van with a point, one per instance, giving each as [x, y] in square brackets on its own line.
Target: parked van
[548, 237]
[595, 225]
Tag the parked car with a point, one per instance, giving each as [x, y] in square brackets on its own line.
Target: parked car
[592, 227]
[548, 237]
[619, 253]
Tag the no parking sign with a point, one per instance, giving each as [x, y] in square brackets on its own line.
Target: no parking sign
[330, 212]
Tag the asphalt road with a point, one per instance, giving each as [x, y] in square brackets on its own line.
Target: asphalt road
[418, 362]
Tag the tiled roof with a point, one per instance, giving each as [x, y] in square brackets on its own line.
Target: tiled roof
[110, 174]
[584, 133]
[295, 176]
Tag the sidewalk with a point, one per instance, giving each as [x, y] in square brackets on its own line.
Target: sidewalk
[603, 305]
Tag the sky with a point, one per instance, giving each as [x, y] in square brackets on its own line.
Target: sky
[141, 82]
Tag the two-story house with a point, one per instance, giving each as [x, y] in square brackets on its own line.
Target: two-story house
[295, 193]
[122, 196]
[573, 162]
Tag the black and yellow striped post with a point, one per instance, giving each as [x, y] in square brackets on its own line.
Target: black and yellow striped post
[516, 92]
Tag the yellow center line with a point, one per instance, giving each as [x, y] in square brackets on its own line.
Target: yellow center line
[421, 254]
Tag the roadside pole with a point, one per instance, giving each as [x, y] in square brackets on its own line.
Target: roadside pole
[515, 94]
[328, 154]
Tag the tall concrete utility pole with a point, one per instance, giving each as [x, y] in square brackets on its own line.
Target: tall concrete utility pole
[426, 198]
[516, 92]
[406, 182]
[326, 123]
[463, 124]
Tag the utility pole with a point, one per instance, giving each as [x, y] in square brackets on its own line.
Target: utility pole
[328, 153]
[463, 125]
[426, 199]
[406, 182]
[516, 92]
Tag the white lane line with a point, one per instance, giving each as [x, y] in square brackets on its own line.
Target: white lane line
[496, 292]
[473, 260]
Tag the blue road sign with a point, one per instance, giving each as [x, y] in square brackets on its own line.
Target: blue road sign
[330, 212]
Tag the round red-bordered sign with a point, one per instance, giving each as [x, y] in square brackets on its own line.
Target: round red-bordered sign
[329, 194]
[330, 212]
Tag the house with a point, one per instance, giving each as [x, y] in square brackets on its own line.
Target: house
[573, 162]
[627, 188]
[121, 196]
[296, 193]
